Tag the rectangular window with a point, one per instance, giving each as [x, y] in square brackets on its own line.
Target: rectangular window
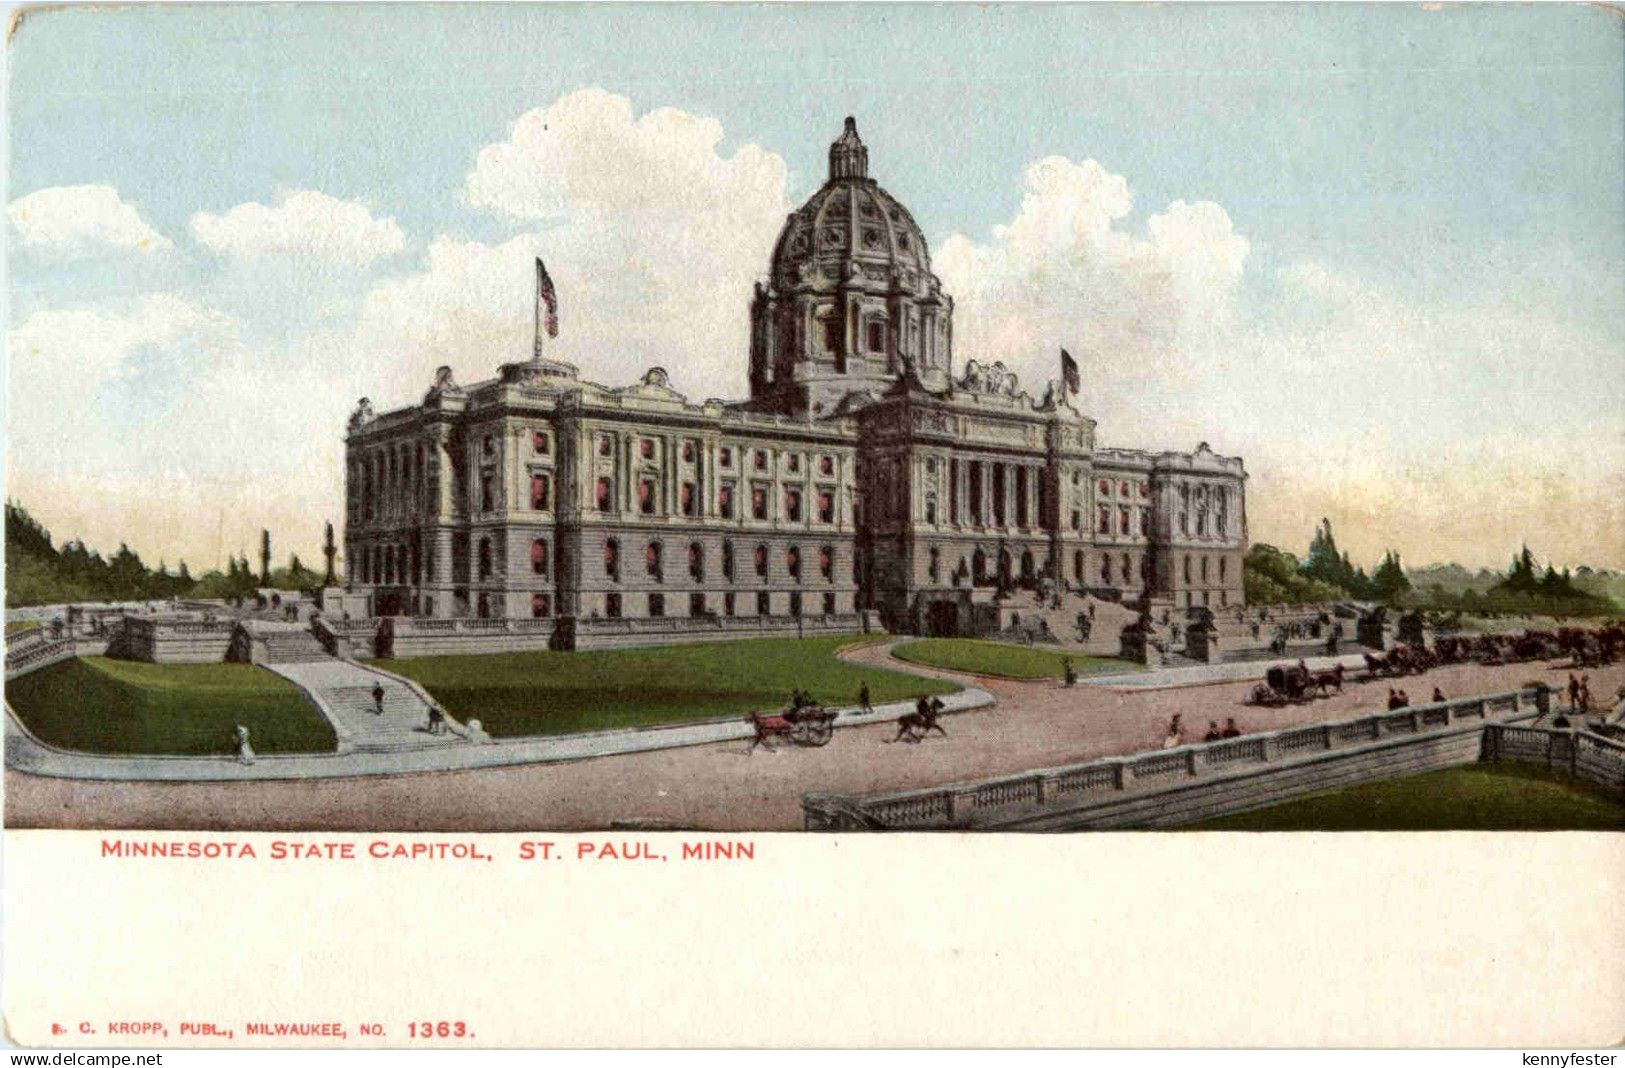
[826, 507]
[763, 604]
[487, 499]
[646, 448]
[539, 443]
[877, 336]
[792, 505]
[725, 456]
[687, 499]
[612, 605]
[728, 603]
[540, 492]
[657, 605]
[696, 604]
[606, 445]
[826, 465]
[761, 460]
[829, 604]
[646, 496]
[606, 494]
[725, 501]
[758, 503]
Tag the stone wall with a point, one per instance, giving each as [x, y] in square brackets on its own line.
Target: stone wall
[171, 641]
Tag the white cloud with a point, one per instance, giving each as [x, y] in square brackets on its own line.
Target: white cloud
[652, 237]
[82, 221]
[1067, 272]
[304, 223]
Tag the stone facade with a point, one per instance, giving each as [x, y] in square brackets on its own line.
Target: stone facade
[860, 474]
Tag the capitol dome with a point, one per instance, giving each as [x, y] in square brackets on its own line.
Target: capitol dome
[850, 304]
[850, 219]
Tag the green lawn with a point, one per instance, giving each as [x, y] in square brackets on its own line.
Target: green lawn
[21, 626]
[514, 694]
[98, 705]
[1002, 658]
[1476, 797]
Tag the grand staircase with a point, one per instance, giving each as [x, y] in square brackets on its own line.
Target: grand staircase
[1061, 624]
[344, 691]
[292, 647]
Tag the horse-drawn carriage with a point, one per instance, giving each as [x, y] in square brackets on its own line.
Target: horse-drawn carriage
[800, 724]
[1287, 683]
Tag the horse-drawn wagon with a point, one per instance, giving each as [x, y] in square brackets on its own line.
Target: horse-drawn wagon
[803, 725]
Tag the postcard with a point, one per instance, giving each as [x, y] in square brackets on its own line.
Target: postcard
[604, 502]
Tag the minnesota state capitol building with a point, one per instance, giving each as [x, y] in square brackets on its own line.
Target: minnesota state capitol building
[867, 479]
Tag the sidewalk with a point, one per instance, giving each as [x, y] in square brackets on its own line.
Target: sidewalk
[26, 753]
[1203, 674]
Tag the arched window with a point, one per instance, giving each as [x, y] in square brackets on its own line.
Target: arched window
[538, 556]
[651, 561]
[612, 559]
[696, 561]
[485, 558]
[761, 561]
[792, 562]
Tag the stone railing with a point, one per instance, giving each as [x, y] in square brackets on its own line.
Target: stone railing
[1579, 753]
[961, 804]
[37, 655]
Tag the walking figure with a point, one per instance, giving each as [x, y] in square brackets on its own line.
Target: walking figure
[437, 719]
[378, 698]
[863, 698]
[1068, 674]
[1176, 733]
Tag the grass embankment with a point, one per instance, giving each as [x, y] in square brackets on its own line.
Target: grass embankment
[1002, 658]
[22, 626]
[517, 694]
[98, 705]
[1477, 797]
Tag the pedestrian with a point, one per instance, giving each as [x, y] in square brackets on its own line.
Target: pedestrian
[378, 698]
[1404, 700]
[1230, 728]
[1438, 696]
[1214, 734]
[1393, 699]
[437, 719]
[1068, 674]
[1574, 690]
[863, 698]
[1175, 735]
[1585, 693]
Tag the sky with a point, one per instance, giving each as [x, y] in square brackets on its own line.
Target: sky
[1374, 250]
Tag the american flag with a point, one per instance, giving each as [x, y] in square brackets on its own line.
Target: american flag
[546, 298]
[1069, 371]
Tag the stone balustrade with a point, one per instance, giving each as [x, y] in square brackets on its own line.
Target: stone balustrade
[1580, 753]
[970, 804]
